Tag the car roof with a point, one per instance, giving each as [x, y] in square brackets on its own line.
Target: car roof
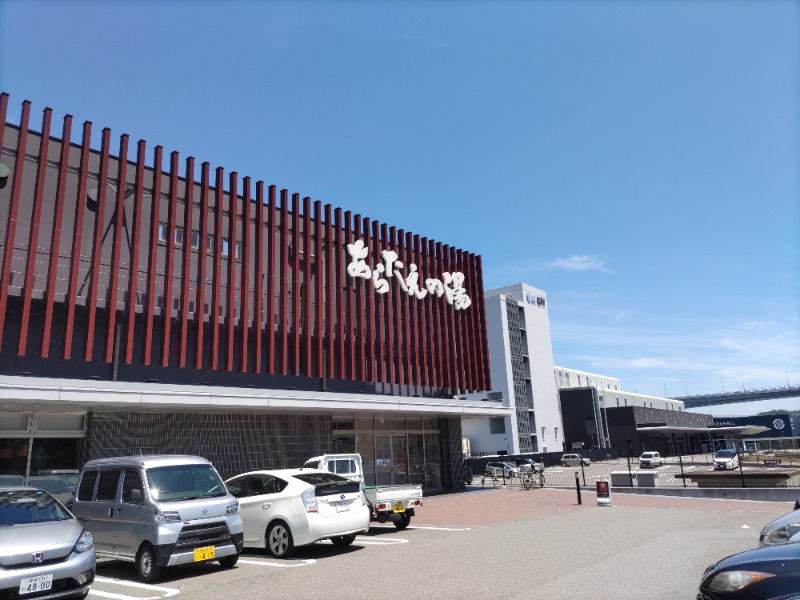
[147, 461]
[59, 472]
[281, 472]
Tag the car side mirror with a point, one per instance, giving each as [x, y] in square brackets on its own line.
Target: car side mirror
[137, 497]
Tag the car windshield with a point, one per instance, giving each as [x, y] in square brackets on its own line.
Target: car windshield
[184, 482]
[22, 507]
[54, 485]
[647, 455]
[724, 454]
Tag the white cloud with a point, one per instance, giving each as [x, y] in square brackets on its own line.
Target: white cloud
[578, 263]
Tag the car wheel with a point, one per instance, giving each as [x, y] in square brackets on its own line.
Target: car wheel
[146, 566]
[343, 540]
[229, 561]
[403, 521]
[279, 540]
[563, 464]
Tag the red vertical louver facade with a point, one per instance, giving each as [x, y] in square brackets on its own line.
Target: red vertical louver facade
[110, 262]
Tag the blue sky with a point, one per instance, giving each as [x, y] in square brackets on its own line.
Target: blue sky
[639, 161]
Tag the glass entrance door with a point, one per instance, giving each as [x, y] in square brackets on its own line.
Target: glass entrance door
[391, 459]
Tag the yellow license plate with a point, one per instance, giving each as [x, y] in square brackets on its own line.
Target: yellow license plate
[398, 508]
[204, 553]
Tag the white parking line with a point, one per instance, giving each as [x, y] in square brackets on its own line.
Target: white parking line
[442, 528]
[380, 541]
[168, 592]
[300, 562]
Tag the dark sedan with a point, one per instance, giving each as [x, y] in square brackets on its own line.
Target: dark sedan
[771, 573]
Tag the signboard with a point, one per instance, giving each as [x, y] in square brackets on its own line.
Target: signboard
[603, 492]
[451, 285]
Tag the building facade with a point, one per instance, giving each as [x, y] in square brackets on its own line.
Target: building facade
[608, 390]
[630, 429]
[146, 308]
[782, 430]
[521, 359]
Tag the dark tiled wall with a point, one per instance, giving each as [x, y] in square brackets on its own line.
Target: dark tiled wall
[453, 454]
[234, 443]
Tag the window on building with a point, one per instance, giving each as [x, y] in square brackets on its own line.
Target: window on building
[497, 425]
[179, 237]
[195, 240]
[162, 233]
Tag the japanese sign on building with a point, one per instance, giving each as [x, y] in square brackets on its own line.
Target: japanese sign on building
[451, 285]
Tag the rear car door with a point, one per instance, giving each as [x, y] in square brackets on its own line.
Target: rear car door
[102, 513]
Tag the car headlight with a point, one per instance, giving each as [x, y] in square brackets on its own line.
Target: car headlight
[730, 581]
[85, 542]
[233, 508]
[166, 516]
[780, 535]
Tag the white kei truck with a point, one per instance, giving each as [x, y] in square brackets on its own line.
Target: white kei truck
[395, 503]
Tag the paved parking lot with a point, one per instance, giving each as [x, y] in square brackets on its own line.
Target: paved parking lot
[500, 543]
[666, 475]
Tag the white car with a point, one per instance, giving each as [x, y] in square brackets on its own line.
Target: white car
[650, 459]
[726, 459]
[286, 508]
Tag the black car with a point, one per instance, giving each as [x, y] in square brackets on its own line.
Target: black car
[770, 573]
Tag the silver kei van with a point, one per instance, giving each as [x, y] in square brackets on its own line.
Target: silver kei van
[159, 511]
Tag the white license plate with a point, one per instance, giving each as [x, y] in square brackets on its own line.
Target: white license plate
[40, 583]
[342, 506]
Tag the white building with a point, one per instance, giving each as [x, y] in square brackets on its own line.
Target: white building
[608, 390]
[521, 363]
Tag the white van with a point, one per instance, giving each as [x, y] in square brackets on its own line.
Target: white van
[159, 511]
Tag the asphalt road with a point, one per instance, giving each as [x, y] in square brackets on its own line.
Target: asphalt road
[505, 543]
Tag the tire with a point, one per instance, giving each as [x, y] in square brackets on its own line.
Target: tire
[279, 540]
[229, 561]
[541, 480]
[343, 540]
[403, 521]
[146, 567]
[527, 483]
[563, 464]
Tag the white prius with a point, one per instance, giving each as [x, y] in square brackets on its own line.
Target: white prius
[286, 508]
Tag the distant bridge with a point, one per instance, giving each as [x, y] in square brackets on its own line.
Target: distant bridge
[742, 396]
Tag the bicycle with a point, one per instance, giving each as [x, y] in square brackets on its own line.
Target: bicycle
[529, 479]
